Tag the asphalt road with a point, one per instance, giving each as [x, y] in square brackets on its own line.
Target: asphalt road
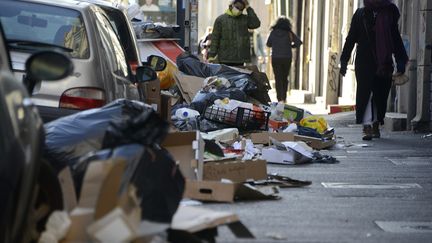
[388, 183]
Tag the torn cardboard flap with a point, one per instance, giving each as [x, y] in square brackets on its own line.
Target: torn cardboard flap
[194, 219]
[188, 85]
[99, 199]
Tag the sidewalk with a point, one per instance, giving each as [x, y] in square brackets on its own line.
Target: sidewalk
[381, 191]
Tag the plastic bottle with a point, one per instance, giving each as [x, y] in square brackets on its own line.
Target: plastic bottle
[186, 113]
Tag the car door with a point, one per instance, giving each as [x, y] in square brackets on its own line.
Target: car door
[116, 58]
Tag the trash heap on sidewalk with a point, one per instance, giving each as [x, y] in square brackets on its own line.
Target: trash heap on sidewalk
[124, 169]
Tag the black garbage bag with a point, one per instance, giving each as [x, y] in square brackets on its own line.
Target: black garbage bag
[146, 128]
[159, 182]
[71, 137]
[204, 99]
[251, 84]
[150, 30]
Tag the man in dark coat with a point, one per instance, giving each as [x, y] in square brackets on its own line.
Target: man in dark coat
[230, 37]
[374, 29]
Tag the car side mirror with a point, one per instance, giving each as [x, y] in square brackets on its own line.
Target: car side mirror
[46, 65]
[145, 74]
[158, 63]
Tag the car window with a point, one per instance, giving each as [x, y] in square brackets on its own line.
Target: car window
[24, 21]
[111, 45]
[118, 21]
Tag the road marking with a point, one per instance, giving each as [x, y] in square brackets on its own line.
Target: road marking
[405, 226]
[404, 151]
[411, 160]
[342, 185]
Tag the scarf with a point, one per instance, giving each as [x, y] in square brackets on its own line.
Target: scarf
[384, 41]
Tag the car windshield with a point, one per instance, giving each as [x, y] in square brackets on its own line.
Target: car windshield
[25, 23]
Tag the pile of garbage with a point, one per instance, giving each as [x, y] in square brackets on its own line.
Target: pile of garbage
[126, 167]
[228, 97]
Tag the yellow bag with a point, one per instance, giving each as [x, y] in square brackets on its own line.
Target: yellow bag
[315, 122]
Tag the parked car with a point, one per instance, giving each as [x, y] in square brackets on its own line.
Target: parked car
[86, 32]
[29, 187]
[119, 19]
[27, 184]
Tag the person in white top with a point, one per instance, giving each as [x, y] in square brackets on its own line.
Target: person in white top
[149, 6]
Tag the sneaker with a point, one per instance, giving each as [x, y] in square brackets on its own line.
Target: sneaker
[367, 132]
[375, 130]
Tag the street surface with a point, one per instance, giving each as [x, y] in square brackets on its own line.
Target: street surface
[386, 195]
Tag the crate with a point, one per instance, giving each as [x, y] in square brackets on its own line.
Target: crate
[243, 119]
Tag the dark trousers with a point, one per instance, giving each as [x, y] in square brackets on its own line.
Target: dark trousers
[281, 69]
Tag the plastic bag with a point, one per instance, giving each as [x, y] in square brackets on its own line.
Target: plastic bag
[204, 99]
[250, 84]
[315, 122]
[72, 136]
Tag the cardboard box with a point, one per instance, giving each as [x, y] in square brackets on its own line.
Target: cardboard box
[152, 94]
[204, 179]
[187, 148]
[217, 191]
[316, 143]
[235, 170]
[294, 153]
[188, 85]
[264, 137]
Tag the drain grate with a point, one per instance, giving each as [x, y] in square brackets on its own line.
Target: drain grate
[405, 226]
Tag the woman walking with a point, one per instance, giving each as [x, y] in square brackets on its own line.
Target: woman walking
[281, 41]
[374, 29]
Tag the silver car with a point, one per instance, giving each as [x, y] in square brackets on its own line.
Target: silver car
[84, 31]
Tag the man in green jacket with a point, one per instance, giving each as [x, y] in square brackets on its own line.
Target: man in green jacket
[230, 43]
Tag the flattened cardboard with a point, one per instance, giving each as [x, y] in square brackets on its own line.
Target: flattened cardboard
[188, 85]
[68, 189]
[316, 143]
[194, 219]
[235, 170]
[264, 137]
